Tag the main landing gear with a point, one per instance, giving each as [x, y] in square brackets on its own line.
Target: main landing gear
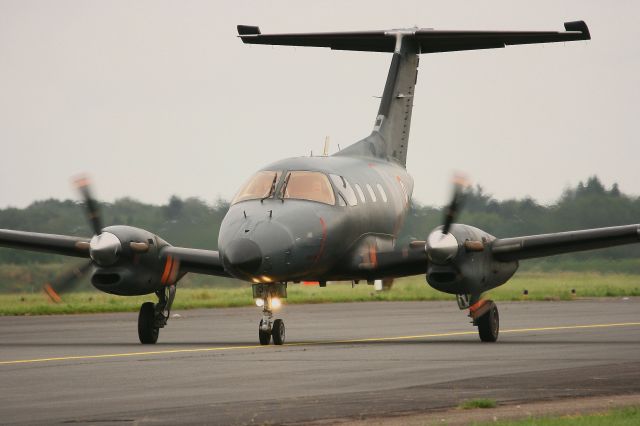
[484, 314]
[153, 317]
[268, 296]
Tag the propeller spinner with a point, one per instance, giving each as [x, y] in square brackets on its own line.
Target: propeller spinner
[441, 245]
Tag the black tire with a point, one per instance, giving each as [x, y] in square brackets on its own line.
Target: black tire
[278, 332]
[489, 325]
[147, 330]
[264, 336]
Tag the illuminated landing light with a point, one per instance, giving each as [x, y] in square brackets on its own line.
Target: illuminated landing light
[265, 279]
[259, 303]
[276, 303]
[255, 280]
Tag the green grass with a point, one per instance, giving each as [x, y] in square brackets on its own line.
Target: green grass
[541, 286]
[478, 403]
[619, 417]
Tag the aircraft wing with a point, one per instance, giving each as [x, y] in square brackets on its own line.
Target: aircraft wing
[190, 260]
[518, 248]
[429, 40]
[49, 243]
[412, 260]
[196, 261]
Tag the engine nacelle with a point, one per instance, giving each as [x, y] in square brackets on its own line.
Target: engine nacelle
[461, 262]
[134, 268]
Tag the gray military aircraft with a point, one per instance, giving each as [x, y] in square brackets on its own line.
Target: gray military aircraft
[329, 217]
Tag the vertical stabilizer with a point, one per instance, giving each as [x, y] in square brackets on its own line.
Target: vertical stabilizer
[390, 136]
[394, 115]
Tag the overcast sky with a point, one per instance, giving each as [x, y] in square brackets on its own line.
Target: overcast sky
[154, 98]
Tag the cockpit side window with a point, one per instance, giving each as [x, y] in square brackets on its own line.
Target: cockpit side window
[312, 186]
[261, 185]
[345, 189]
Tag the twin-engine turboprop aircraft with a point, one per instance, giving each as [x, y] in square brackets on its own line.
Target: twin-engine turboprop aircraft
[331, 217]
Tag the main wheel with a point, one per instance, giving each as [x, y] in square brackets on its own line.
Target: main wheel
[147, 330]
[489, 325]
[278, 332]
[264, 336]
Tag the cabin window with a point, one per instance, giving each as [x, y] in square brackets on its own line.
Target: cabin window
[404, 191]
[261, 185]
[382, 193]
[344, 189]
[312, 186]
[371, 193]
[360, 193]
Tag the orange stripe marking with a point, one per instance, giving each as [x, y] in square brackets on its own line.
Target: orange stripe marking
[167, 270]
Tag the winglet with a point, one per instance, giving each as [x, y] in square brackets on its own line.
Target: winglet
[244, 30]
[580, 26]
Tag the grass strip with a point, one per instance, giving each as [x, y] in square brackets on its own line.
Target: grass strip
[628, 416]
[539, 286]
[478, 403]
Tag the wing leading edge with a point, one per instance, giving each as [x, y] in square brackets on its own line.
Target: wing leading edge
[519, 248]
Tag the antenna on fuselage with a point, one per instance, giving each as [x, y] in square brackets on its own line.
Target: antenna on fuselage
[327, 141]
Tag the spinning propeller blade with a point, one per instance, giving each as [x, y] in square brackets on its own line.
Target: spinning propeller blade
[70, 278]
[460, 183]
[66, 281]
[91, 205]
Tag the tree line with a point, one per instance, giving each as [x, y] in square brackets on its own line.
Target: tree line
[193, 222]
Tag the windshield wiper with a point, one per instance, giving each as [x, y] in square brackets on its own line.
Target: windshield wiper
[284, 186]
[272, 189]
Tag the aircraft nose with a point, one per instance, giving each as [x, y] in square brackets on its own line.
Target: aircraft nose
[243, 255]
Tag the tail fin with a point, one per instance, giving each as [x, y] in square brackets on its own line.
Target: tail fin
[390, 136]
[389, 139]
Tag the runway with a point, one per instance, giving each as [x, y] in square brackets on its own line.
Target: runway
[343, 361]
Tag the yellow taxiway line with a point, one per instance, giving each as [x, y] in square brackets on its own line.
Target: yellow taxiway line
[327, 342]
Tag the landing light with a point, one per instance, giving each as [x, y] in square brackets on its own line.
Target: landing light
[259, 303]
[276, 303]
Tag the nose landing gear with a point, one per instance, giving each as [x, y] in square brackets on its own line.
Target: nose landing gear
[268, 295]
[153, 317]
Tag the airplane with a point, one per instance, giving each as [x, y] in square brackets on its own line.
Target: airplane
[328, 218]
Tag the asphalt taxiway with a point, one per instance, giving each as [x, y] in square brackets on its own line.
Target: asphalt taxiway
[342, 361]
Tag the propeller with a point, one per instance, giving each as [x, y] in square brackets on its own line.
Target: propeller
[441, 246]
[103, 248]
[82, 184]
[66, 281]
[460, 183]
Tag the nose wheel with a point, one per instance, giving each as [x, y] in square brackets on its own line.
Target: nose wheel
[277, 332]
[267, 295]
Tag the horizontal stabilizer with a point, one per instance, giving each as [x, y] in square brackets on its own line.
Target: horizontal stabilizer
[427, 40]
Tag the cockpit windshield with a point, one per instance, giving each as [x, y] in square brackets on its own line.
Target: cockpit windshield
[261, 185]
[312, 186]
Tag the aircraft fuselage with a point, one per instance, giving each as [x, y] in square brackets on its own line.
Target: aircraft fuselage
[289, 239]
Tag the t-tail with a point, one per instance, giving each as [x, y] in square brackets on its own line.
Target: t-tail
[389, 139]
